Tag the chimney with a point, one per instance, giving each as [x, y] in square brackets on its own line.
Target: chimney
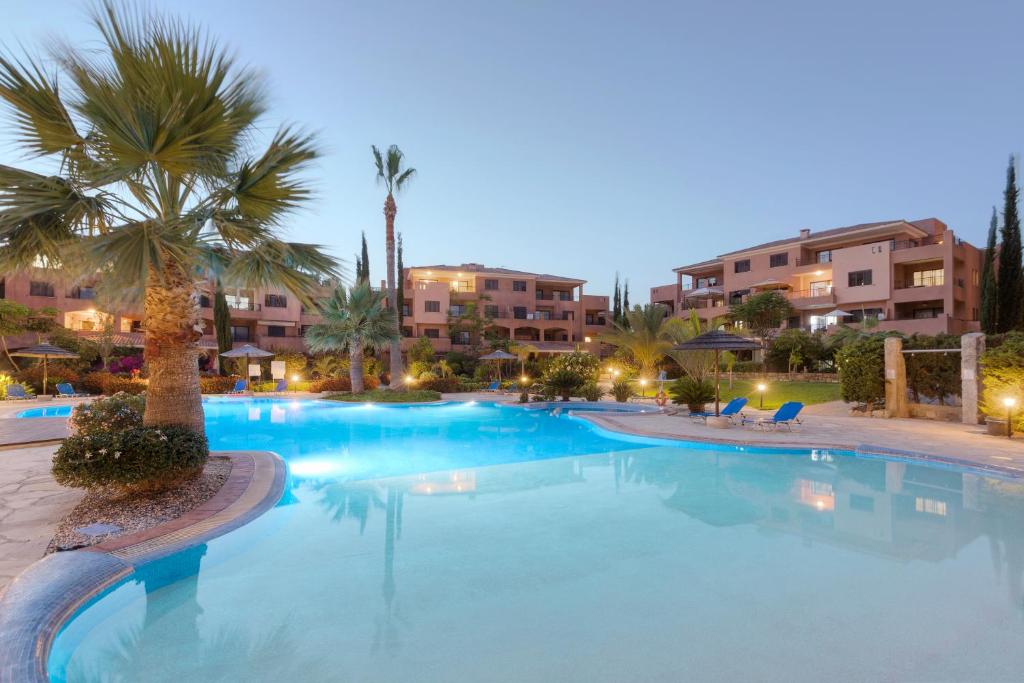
[805, 233]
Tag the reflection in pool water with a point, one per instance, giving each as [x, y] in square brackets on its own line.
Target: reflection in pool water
[627, 559]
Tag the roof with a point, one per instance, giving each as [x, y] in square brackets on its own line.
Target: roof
[810, 236]
[482, 269]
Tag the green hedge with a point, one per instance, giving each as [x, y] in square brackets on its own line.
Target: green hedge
[1002, 368]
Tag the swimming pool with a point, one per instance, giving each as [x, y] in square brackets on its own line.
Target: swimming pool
[486, 542]
[48, 411]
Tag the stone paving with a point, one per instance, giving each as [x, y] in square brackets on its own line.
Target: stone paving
[31, 504]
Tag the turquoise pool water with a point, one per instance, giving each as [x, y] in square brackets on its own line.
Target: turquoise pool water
[48, 411]
[478, 542]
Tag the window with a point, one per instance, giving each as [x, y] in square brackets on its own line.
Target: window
[490, 311]
[406, 331]
[711, 281]
[860, 278]
[82, 293]
[406, 309]
[741, 266]
[927, 313]
[431, 333]
[860, 315]
[136, 326]
[824, 256]
[303, 330]
[491, 285]
[275, 301]
[821, 288]
[240, 333]
[461, 286]
[778, 260]
[862, 503]
[930, 506]
[432, 306]
[41, 289]
[929, 278]
[461, 337]
[519, 312]
[519, 285]
[275, 330]
[204, 301]
[565, 296]
[455, 310]
[736, 296]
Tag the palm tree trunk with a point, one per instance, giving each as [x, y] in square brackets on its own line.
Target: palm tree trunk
[356, 367]
[390, 211]
[172, 356]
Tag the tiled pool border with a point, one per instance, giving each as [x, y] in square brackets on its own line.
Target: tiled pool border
[35, 606]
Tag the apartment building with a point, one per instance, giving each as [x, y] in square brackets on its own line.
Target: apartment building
[550, 312]
[270, 319]
[910, 276]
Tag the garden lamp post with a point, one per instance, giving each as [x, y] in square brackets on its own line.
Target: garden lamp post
[1009, 402]
[761, 388]
[643, 388]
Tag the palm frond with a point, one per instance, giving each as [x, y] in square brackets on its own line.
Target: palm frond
[135, 252]
[266, 188]
[43, 123]
[358, 314]
[297, 268]
[404, 178]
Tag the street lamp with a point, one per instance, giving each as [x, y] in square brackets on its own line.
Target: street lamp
[524, 379]
[762, 388]
[295, 379]
[1009, 402]
[643, 387]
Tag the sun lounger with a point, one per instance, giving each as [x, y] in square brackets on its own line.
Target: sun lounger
[66, 390]
[785, 415]
[16, 392]
[238, 388]
[494, 386]
[731, 410]
[281, 386]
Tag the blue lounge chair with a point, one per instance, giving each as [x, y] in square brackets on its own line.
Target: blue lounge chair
[16, 392]
[785, 415]
[494, 386]
[238, 388]
[281, 386]
[731, 410]
[66, 390]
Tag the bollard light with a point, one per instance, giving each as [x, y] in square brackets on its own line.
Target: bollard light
[762, 388]
[1009, 402]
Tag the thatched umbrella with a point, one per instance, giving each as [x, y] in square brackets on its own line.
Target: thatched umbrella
[717, 341]
[499, 356]
[247, 351]
[45, 351]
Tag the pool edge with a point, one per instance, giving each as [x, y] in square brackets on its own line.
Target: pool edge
[37, 603]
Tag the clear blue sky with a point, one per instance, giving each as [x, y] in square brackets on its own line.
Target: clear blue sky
[581, 138]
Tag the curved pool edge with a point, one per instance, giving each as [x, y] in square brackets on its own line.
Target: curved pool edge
[39, 601]
[599, 423]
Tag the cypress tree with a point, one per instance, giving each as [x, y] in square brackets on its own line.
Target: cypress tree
[364, 276]
[400, 285]
[625, 304]
[359, 269]
[1010, 282]
[989, 293]
[616, 301]
[221, 323]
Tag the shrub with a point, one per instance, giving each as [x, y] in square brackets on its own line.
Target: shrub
[862, 371]
[126, 365]
[214, 384]
[109, 446]
[1003, 371]
[933, 375]
[748, 366]
[108, 384]
[622, 389]
[445, 385]
[591, 391]
[427, 376]
[563, 382]
[418, 367]
[343, 383]
[32, 376]
[386, 396]
[422, 351]
[794, 349]
[583, 364]
[461, 363]
[692, 393]
[7, 380]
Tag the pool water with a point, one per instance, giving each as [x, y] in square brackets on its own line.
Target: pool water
[48, 411]
[481, 542]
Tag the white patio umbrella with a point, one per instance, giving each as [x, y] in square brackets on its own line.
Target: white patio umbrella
[247, 351]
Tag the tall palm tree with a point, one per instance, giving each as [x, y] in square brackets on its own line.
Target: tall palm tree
[391, 173]
[644, 333]
[154, 186]
[353, 321]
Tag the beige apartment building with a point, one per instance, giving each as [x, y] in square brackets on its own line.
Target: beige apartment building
[911, 276]
[550, 312]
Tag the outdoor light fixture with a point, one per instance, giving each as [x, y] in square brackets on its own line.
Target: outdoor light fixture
[1009, 402]
[409, 379]
[295, 378]
[524, 379]
[762, 388]
[643, 386]
[586, 340]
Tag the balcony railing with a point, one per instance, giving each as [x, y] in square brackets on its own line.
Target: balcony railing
[244, 305]
[541, 296]
[822, 260]
[81, 293]
[923, 281]
[911, 244]
[809, 293]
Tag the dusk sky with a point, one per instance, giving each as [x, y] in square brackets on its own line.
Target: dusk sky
[581, 138]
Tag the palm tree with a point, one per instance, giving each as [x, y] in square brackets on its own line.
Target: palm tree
[354, 320]
[155, 187]
[394, 178]
[644, 334]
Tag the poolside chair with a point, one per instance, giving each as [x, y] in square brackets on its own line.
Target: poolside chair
[281, 386]
[16, 392]
[494, 386]
[66, 390]
[731, 410]
[239, 387]
[785, 415]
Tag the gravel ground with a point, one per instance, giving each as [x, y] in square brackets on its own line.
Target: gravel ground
[135, 512]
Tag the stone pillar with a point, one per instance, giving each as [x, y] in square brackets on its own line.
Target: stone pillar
[895, 379]
[972, 345]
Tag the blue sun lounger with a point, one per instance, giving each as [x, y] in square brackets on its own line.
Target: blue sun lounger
[238, 388]
[494, 386]
[785, 415]
[66, 390]
[731, 410]
[16, 392]
[281, 386]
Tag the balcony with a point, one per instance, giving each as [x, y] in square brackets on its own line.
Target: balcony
[244, 305]
[820, 297]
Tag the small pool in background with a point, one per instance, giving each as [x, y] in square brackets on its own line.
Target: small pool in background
[48, 411]
[486, 542]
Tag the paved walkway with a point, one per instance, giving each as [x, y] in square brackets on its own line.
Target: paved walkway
[31, 504]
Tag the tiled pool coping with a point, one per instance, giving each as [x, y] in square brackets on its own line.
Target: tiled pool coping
[34, 606]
